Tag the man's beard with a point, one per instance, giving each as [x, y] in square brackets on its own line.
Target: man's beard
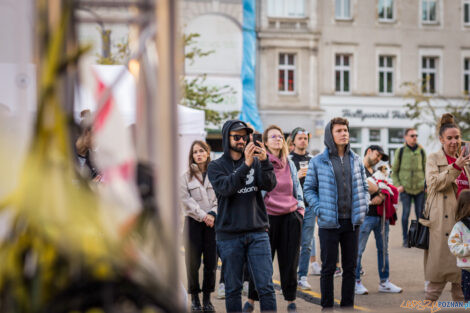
[371, 163]
[237, 149]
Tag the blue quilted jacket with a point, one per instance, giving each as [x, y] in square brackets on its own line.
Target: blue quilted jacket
[320, 190]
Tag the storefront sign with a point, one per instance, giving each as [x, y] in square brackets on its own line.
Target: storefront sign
[360, 114]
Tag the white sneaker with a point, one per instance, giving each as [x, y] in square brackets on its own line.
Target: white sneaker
[359, 289]
[314, 269]
[246, 285]
[387, 286]
[221, 291]
[338, 272]
[303, 283]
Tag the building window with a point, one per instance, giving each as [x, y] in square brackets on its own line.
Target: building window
[466, 76]
[395, 135]
[286, 73]
[343, 73]
[429, 11]
[355, 139]
[343, 9]
[386, 10]
[374, 135]
[429, 75]
[466, 12]
[386, 75]
[286, 8]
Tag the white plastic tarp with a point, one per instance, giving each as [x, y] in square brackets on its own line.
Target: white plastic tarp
[190, 121]
[191, 127]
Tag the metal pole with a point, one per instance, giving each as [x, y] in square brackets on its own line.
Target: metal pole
[105, 33]
[164, 120]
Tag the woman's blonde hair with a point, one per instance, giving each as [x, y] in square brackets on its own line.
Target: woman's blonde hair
[284, 150]
[463, 206]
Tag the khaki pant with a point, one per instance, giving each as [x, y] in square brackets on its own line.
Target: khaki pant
[434, 290]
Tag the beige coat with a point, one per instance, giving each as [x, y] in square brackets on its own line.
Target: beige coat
[197, 199]
[441, 204]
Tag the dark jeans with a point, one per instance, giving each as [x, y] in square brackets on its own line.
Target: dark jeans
[406, 202]
[246, 274]
[200, 241]
[466, 285]
[284, 237]
[254, 249]
[347, 237]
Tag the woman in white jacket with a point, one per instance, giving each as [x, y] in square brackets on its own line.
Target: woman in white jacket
[200, 208]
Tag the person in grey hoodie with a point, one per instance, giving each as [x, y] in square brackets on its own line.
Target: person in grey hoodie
[337, 191]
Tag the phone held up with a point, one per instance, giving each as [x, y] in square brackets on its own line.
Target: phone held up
[466, 145]
[256, 138]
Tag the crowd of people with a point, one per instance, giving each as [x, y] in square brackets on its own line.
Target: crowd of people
[263, 198]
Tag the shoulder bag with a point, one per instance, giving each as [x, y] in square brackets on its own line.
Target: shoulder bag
[418, 234]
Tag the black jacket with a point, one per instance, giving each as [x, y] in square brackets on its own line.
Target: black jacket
[238, 188]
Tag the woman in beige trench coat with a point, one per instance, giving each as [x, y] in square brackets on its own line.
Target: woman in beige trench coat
[439, 264]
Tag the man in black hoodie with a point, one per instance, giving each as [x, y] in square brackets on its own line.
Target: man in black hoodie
[238, 177]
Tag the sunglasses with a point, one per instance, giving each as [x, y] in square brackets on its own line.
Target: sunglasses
[276, 137]
[238, 137]
[414, 136]
[302, 133]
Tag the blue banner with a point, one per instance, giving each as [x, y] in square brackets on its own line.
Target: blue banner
[249, 112]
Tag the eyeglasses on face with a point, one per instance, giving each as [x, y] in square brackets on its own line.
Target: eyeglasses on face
[238, 137]
[276, 137]
[414, 135]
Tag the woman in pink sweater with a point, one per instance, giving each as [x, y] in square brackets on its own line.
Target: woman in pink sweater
[285, 208]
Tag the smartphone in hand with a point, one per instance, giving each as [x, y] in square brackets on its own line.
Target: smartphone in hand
[256, 138]
[466, 150]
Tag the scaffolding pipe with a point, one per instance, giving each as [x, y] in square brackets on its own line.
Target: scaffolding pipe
[164, 120]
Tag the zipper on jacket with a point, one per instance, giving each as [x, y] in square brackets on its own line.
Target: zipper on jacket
[336, 186]
[344, 181]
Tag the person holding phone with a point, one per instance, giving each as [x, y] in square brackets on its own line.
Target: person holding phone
[285, 208]
[238, 177]
[200, 208]
[445, 180]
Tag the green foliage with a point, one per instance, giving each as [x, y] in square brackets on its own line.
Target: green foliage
[120, 57]
[193, 51]
[197, 94]
[423, 108]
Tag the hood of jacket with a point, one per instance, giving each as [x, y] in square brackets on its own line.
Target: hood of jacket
[277, 163]
[330, 143]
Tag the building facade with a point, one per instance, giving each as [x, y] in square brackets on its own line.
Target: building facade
[369, 49]
[351, 58]
[357, 59]
[288, 41]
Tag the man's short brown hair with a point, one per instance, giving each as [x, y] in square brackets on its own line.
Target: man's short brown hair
[339, 121]
[408, 130]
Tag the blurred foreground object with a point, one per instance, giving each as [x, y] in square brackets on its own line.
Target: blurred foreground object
[63, 249]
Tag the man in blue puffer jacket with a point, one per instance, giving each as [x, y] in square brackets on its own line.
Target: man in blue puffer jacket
[336, 190]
